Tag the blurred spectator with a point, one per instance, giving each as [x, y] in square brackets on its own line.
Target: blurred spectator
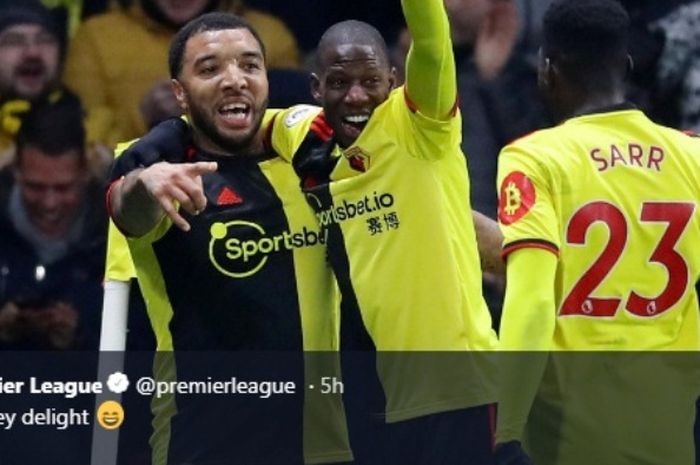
[53, 229]
[385, 15]
[658, 98]
[677, 69]
[531, 13]
[117, 62]
[72, 12]
[497, 87]
[30, 51]
[499, 100]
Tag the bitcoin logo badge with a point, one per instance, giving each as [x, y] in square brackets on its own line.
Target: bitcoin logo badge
[513, 199]
[517, 197]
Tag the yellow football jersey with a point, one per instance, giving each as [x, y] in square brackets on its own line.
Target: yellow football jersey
[616, 197]
[403, 247]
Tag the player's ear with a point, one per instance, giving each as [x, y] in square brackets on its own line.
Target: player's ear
[630, 66]
[316, 88]
[179, 92]
[545, 73]
[392, 77]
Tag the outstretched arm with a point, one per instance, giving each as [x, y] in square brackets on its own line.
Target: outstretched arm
[140, 199]
[431, 82]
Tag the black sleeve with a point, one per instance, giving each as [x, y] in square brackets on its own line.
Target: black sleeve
[168, 141]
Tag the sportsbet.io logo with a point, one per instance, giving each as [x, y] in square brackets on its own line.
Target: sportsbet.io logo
[239, 249]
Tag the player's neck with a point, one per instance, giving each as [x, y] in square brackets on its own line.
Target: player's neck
[587, 103]
[252, 148]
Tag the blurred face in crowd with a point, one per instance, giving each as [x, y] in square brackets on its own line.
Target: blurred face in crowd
[181, 11]
[223, 87]
[466, 17]
[52, 189]
[29, 61]
[353, 81]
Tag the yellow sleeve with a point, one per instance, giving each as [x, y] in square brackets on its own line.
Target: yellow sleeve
[118, 266]
[526, 210]
[527, 329]
[431, 82]
[290, 127]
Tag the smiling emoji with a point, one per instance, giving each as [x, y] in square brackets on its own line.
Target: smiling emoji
[110, 415]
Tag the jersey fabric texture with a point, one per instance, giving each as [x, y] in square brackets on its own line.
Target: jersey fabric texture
[403, 247]
[249, 278]
[615, 196]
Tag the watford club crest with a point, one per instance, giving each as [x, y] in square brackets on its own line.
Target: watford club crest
[517, 197]
[359, 160]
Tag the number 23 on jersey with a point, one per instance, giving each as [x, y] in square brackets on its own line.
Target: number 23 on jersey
[674, 215]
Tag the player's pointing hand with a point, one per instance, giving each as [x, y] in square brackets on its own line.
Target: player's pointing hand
[180, 183]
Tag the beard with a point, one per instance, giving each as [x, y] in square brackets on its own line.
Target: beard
[243, 145]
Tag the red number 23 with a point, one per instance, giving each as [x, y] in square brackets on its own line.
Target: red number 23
[579, 301]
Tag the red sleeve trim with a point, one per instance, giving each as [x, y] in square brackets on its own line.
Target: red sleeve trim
[455, 107]
[410, 103]
[531, 244]
[321, 128]
[414, 108]
[108, 198]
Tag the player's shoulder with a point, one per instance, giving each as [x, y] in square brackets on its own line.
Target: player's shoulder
[690, 133]
[296, 117]
[539, 141]
[290, 127]
[297, 121]
[687, 140]
[689, 136]
[399, 114]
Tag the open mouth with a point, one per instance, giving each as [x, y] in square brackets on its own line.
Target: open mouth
[235, 115]
[354, 124]
[31, 70]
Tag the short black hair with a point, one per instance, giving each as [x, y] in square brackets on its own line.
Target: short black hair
[206, 22]
[54, 127]
[586, 35]
[351, 32]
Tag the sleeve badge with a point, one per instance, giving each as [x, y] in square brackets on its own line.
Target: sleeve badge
[516, 198]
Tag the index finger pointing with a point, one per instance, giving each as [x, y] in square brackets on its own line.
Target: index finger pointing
[202, 167]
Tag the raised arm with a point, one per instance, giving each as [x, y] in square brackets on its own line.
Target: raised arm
[431, 81]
